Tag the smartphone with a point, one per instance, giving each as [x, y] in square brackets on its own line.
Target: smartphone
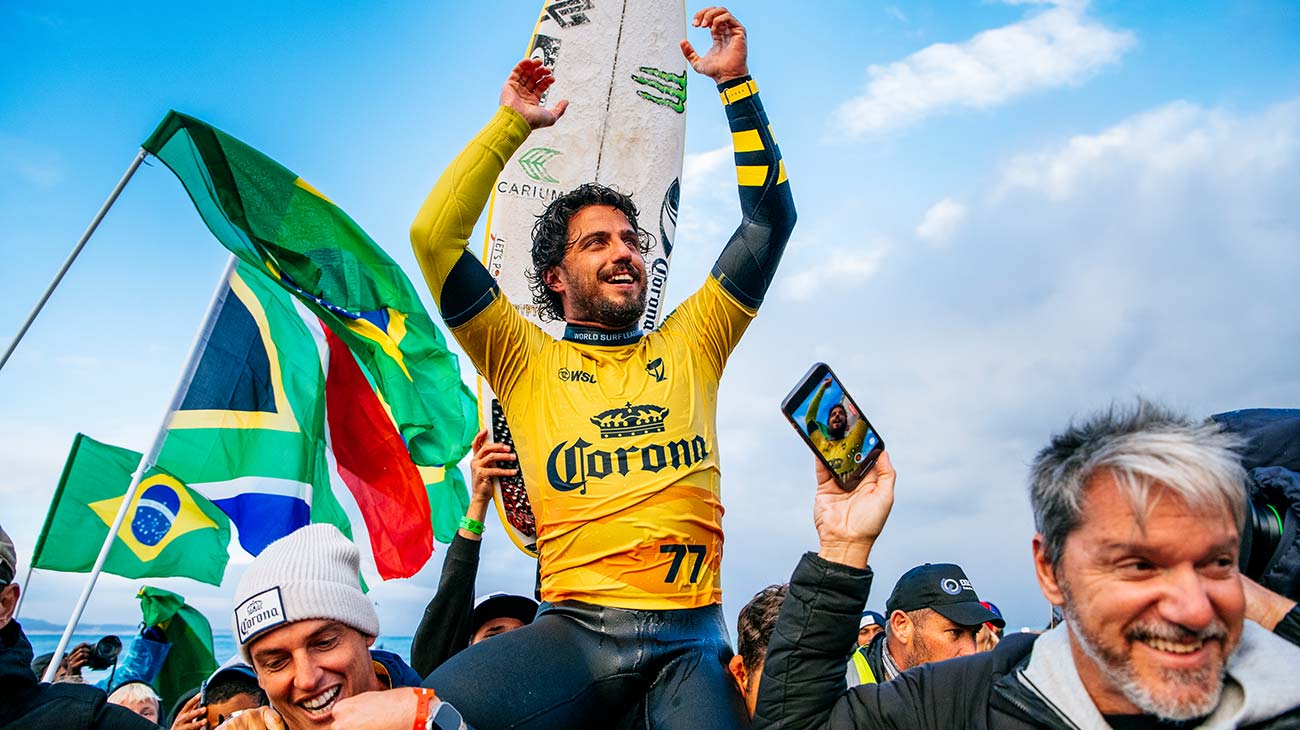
[831, 423]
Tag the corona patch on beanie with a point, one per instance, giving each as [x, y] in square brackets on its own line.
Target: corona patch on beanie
[260, 612]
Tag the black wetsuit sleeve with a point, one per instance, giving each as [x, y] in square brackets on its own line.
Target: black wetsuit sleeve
[748, 262]
[1289, 627]
[444, 629]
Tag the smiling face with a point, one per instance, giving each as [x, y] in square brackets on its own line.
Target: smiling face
[1154, 611]
[601, 281]
[837, 420]
[307, 666]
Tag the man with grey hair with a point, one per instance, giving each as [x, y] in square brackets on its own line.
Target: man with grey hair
[1138, 514]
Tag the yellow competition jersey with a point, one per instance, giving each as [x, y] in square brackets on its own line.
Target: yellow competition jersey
[840, 453]
[618, 448]
[614, 431]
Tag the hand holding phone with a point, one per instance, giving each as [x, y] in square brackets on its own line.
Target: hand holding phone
[831, 423]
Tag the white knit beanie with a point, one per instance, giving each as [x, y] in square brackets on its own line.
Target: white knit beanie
[311, 573]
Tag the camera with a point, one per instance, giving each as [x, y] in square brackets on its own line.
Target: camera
[104, 653]
[1270, 537]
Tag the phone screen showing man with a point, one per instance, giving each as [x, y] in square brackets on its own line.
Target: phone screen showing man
[833, 425]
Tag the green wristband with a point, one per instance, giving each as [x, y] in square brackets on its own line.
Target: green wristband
[472, 525]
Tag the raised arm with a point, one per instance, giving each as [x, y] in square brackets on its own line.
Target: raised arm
[810, 417]
[460, 285]
[748, 262]
[803, 676]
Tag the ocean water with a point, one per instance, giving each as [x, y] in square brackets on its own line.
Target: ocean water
[223, 645]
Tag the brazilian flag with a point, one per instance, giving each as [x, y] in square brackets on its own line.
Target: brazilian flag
[169, 529]
[278, 224]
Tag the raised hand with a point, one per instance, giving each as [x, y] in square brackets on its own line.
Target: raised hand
[491, 459]
[729, 57]
[192, 715]
[523, 92]
[848, 523]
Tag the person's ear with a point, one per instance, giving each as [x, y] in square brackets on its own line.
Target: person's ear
[8, 602]
[1046, 573]
[901, 627]
[736, 667]
[551, 278]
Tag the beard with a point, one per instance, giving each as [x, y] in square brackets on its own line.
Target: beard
[591, 305]
[1174, 697]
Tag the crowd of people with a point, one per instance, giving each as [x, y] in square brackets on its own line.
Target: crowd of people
[1138, 513]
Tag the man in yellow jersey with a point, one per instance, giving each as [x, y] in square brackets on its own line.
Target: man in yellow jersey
[837, 441]
[621, 461]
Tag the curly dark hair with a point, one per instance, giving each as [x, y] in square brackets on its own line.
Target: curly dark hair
[551, 238]
[755, 624]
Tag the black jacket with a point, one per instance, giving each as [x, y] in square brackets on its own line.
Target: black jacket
[444, 629]
[803, 677]
[27, 704]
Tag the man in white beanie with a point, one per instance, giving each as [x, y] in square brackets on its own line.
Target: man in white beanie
[306, 628]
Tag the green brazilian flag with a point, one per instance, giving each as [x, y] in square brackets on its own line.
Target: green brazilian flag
[191, 658]
[169, 530]
[273, 220]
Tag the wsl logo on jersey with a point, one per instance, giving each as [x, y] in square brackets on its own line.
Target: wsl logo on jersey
[572, 466]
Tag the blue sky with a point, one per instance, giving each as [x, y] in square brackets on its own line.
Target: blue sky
[1010, 213]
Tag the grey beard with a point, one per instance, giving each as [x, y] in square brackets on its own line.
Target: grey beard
[1126, 680]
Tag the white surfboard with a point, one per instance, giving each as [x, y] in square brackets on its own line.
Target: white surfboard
[618, 64]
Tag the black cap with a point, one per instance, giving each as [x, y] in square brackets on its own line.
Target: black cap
[944, 588]
[496, 605]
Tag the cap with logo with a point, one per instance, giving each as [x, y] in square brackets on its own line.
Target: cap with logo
[498, 605]
[945, 588]
[871, 618]
[311, 573]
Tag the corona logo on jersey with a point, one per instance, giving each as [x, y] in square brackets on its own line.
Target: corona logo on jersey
[571, 466]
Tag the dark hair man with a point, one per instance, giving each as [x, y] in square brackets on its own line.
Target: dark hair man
[753, 632]
[303, 624]
[631, 551]
[934, 614]
[27, 703]
[1138, 513]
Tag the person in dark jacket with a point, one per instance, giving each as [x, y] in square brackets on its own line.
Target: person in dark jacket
[1138, 513]
[27, 704]
[934, 614]
[452, 620]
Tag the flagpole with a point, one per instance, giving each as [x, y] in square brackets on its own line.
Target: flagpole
[147, 460]
[67, 264]
[22, 590]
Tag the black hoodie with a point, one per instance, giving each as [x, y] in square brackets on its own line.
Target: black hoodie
[27, 704]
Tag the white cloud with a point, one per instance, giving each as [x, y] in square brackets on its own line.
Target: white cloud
[941, 220]
[1051, 48]
[1168, 143]
[833, 267]
[894, 12]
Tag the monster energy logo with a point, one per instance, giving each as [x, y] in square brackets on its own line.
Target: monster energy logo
[533, 162]
[669, 89]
